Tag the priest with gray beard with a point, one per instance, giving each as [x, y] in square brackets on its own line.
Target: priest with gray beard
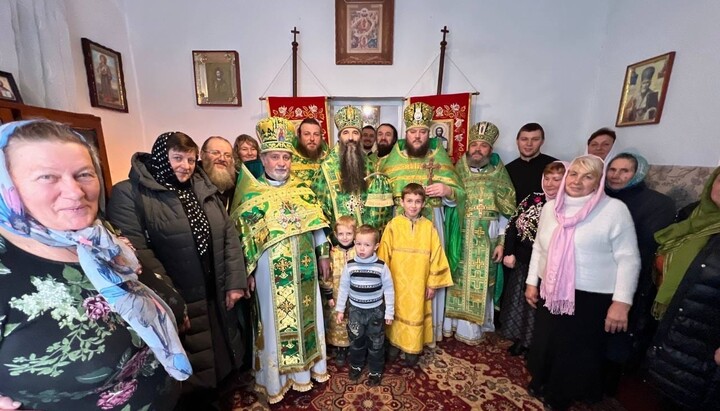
[218, 163]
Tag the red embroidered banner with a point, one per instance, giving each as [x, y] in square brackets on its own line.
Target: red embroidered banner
[450, 120]
[296, 109]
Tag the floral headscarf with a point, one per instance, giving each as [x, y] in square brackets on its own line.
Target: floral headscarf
[109, 264]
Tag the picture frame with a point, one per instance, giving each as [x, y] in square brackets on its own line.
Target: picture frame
[442, 131]
[106, 81]
[8, 88]
[644, 91]
[364, 32]
[217, 78]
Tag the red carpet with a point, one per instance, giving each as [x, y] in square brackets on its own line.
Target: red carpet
[452, 376]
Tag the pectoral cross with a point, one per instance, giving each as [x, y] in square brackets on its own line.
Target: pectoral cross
[430, 166]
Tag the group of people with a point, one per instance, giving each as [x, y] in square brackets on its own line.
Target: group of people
[270, 253]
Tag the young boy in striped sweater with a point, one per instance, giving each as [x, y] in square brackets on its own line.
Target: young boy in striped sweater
[367, 283]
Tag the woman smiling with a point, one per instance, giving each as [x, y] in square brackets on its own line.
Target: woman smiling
[77, 328]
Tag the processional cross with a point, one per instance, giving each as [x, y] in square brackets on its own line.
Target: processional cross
[430, 166]
[443, 43]
[295, 32]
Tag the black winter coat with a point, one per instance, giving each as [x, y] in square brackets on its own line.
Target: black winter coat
[681, 361]
[153, 219]
[651, 211]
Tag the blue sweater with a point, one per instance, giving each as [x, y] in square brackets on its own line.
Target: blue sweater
[365, 281]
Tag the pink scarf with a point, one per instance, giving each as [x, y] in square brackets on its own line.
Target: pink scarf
[558, 285]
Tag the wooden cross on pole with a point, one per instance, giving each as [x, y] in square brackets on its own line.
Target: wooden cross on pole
[443, 43]
[295, 32]
[430, 166]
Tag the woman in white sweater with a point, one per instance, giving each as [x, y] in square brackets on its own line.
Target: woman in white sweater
[582, 277]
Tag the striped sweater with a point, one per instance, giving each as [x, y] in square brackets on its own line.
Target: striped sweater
[364, 281]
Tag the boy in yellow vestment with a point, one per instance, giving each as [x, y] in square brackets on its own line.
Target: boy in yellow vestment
[411, 247]
[336, 333]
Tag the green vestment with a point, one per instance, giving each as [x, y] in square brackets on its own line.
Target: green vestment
[373, 207]
[490, 193]
[306, 169]
[278, 222]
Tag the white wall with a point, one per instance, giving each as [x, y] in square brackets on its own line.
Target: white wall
[104, 22]
[636, 30]
[558, 63]
[529, 59]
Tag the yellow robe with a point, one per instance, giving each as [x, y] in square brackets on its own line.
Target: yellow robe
[417, 261]
[336, 334]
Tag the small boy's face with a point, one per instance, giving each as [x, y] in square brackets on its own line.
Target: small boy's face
[412, 204]
[344, 234]
[365, 245]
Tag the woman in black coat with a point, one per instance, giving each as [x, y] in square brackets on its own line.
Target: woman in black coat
[651, 211]
[171, 213]
[684, 362]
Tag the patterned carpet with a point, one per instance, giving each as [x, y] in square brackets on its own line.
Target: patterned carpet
[452, 376]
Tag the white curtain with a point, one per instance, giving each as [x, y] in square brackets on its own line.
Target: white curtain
[35, 48]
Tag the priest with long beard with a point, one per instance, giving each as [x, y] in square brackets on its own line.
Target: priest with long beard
[218, 163]
[423, 160]
[346, 184]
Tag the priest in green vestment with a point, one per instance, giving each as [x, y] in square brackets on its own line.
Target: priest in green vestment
[309, 151]
[489, 205]
[348, 183]
[282, 228]
[422, 160]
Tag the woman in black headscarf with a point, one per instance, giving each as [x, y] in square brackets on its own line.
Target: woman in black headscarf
[171, 213]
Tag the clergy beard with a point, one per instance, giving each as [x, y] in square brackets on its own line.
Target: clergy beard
[352, 168]
[383, 150]
[222, 178]
[420, 152]
[309, 154]
[477, 163]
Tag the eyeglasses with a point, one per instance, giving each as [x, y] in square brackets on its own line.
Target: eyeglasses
[219, 153]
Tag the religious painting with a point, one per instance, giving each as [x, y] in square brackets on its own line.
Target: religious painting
[644, 90]
[217, 78]
[8, 88]
[370, 116]
[442, 131]
[106, 81]
[364, 32]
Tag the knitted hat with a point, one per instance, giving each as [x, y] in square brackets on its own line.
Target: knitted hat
[348, 117]
[275, 134]
[418, 115]
[484, 131]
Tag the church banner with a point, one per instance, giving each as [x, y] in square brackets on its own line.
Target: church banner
[450, 120]
[296, 109]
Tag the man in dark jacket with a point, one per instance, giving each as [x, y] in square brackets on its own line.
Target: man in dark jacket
[650, 211]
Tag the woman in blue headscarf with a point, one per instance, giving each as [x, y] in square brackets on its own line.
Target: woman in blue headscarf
[77, 328]
[650, 211]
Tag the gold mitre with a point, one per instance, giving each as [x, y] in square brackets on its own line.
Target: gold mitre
[418, 115]
[275, 134]
[484, 131]
[348, 117]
